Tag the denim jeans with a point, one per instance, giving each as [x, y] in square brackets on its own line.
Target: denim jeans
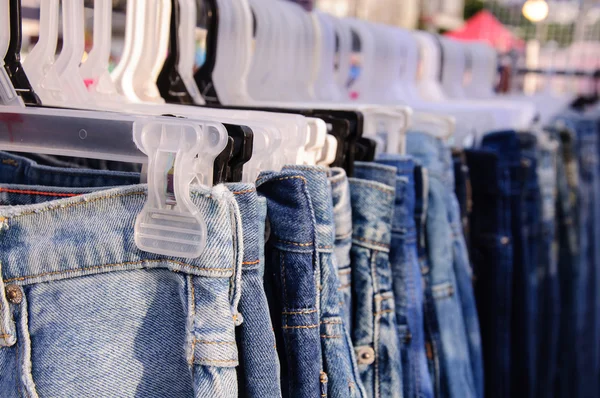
[507, 146]
[339, 362]
[459, 343]
[568, 263]
[463, 190]
[291, 280]
[375, 329]
[258, 372]
[549, 284]
[407, 281]
[342, 215]
[84, 313]
[492, 255]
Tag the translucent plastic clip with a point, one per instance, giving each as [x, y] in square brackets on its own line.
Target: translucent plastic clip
[179, 155]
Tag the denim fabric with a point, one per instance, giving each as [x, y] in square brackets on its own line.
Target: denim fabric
[375, 333]
[258, 372]
[492, 256]
[463, 190]
[342, 215]
[16, 169]
[507, 146]
[450, 274]
[339, 362]
[408, 286]
[549, 285]
[90, 315]
[568, 263]
[586, 313]
[291, 280]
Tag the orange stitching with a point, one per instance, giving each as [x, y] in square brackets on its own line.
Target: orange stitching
[372, 242]
[116, 265]
[342, 287]
[215, 342]
[4, 336]
[10, 162]
[294, 243]
[246, 191]
[298, 312]
[345, 271]
[301, 327]
[384, 312]
[26, 192]
[337, 336]
[251, 262]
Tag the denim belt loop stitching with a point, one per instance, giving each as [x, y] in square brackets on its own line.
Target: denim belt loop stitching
[8, 336]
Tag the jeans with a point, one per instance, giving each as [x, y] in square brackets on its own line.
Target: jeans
[549, 284]
[291, 280]
[83, 312]
[339, 362]
[450, 275]
[568, 263]
[375, 330]
[342, 215]
[258, 372]
[463, 190]
[507, 146]
[407, 282]
[492, 255]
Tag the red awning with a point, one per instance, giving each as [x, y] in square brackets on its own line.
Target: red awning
[483, 26]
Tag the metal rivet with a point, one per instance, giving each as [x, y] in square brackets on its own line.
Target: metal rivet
[14, 294]
[408, 338]
[365, 355]
[505, 240]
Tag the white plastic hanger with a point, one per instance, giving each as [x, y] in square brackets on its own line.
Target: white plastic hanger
[187, 48]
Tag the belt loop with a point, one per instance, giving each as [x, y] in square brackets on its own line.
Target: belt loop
[8, 334]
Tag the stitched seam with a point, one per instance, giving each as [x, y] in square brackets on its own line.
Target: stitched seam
[372, 242]
[298, 312]
[384, 312]
[282, 260]
[5, 336]
[217, 360]
[250, 262]
[26, 192]
[70, 271]
[300, 327]
[215, 342]
[325, 336]
[10, 162]
[243, 192]
[344, 286]
[294, 243]
[344, 271]
[389, 191]
[193, 309]
[2, 331]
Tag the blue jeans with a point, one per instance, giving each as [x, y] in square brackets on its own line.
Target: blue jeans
[458, 345]
[408, 286]
[342, 215]
[88, 314]
[258, 372]
[463, 190]
[523, 179]
[492, 256]
[291, 280]
[375, 330]
[339, 362]
[549, 284]
[568, 263]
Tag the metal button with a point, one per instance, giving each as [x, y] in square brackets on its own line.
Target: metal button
[408, 338]
[365, 355]
[505, 240]
[14, 294]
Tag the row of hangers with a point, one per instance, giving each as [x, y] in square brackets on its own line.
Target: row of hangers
[268, 94]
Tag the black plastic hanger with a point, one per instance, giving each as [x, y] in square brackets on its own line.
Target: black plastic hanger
[12, 60]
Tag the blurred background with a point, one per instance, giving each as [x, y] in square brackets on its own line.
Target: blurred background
[543, 44]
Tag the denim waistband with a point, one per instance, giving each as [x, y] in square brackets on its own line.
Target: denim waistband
[320, 197]
[253, 229]
[342, 209]
[289, 194]
[404, 221]
[373, 189]
[93, 233]
[433, 154]
[16, 169]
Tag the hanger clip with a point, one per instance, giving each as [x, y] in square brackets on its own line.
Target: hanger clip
[180, 153]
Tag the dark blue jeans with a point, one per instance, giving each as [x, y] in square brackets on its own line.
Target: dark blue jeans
[492, 256]
[507, 146]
